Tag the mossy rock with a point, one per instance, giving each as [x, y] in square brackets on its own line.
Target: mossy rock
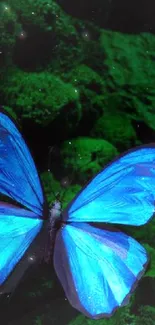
[84, 75]
[82, 320]
[129, 73]
[146, 316]
[51, 186]
[151, 269]
[47, 29]
[42, 13]
[54, 188]
[9, 29]
[39, 96]
[128, 58]
[10, 111]
[144, 233]
[91, 89]
[117, 129]
[122, 316]
[86, 156]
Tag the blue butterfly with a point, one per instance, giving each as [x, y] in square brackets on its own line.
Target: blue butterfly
[98, 268]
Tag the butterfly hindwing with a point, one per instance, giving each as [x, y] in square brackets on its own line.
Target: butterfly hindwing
[98, 269]
[18, 175]
[122, 193]
[18, 229]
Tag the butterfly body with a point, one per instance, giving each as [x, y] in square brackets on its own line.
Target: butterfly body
[98, 268]
[55, 212]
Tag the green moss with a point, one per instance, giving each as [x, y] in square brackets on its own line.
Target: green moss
[122, 316]
[69, 194]
[87, 156]
[43, 19]
[144, 233]
[117, 129]
[91, 89]
[151, 270]
[38, 321]
[53, 187]
[43, 13]
[84, 75]
[10, 111]
[82, 320]
[147, 316]
[9, 29]
[39, 96]
[129, 73]
[128, 58]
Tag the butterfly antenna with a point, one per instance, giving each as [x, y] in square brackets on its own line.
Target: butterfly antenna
[49, 158]
[49, 166]
[65, 189]
[70, 180]
[72, 177]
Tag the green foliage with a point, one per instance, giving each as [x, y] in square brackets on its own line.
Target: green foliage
[128, 58]
[42, 19]
[82, 320]
[151, 270]
[115, 128]
[39, 96]
[38, 321]
[10, 111]
[130, 73]
[91, 88]
[69, 194]
[84, 75]
[53, 187]
[87, 156]
[42, 13]
[122, 316]
[144, 233]
[147, 316]
[9, 29]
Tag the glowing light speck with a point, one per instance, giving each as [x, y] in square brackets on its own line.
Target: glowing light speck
[31, 258]
[22, 35]
[86, 35]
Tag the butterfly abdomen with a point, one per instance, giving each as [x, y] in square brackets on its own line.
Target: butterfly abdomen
[54, 224]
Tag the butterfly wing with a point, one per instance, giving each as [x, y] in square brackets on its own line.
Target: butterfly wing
[98, 269]
[18, 175]
[18, 229]
[123, 192]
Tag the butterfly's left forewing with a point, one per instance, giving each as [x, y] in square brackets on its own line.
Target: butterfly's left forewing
[18, 175]
[97, 268]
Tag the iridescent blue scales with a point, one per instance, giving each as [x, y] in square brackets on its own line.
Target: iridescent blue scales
[98, 268]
